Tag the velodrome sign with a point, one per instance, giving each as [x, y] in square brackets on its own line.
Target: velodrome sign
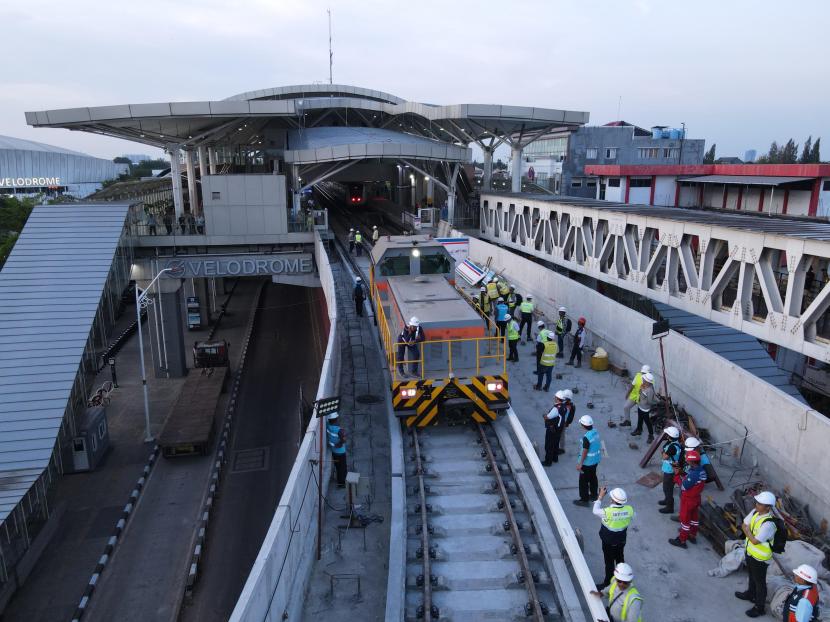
[200, 266]
[26, 182]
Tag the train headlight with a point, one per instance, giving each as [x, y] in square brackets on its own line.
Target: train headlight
[495, 386]
[408, 392]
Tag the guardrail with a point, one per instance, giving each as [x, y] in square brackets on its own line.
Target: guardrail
[276, 584]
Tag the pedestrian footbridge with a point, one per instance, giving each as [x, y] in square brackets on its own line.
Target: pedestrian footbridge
[761, 275]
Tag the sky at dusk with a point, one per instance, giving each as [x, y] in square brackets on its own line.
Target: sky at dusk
[738, 73]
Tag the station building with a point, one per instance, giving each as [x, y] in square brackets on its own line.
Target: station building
[791, 189]
[28, 168]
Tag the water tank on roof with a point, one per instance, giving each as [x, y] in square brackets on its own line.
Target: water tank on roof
[675, 134]
[657, 133]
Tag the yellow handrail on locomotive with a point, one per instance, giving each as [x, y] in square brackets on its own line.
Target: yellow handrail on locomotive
[391, 347]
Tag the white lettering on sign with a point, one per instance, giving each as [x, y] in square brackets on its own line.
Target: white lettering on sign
[235, 265]
[27, 182]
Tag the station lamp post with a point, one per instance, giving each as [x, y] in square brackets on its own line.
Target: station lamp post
[142, 302]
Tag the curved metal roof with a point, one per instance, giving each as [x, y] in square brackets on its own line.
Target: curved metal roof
[301, 91]
[20, 144]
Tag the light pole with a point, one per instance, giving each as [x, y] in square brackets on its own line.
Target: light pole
[142, 302]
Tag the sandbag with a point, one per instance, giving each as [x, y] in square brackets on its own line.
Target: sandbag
[730, 562]
[796, 553]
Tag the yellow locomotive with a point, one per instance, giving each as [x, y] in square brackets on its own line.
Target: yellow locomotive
[453, 362]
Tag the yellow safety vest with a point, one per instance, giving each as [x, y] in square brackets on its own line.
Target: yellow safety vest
[485, 302]
[512, 330]
[618, 518]
[492, 290]
[549, 354]
[632, 593]
[763, 550]
[358, 238]
[634, 395]
[503, 288]
[526, 307]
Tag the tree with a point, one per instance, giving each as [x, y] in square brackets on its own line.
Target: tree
[122, 160]
[709, 157]
[815, 152]
[789, 154]
[773, 156]
[13, 215]
[499, 165]
[807, 152]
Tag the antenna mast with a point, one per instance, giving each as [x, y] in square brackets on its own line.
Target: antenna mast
[331, 54]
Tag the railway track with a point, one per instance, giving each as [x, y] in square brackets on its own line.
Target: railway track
[472, 551]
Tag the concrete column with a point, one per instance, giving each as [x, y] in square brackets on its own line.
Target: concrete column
[192, 194]
[176, 174]
[202, 153]
[430, 191]
[212, 160]
[399, 187]
[487, 179]
[203, 293]
[165, 319]
[516, 169]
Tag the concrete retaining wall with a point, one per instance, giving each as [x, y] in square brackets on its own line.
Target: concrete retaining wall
[276, 584]
[788, 439]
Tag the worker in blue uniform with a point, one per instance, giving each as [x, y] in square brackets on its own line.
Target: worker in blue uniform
[589, 454]
[501, 316]
[337, 444]
[359, 296]
[672, 459]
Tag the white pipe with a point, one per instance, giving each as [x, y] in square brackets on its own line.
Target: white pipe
[563, 525]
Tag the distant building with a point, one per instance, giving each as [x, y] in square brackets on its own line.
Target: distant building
[559, 160]
[137, 158]
[28, 168]
[792, 189]
[729, 160]
[750, 155]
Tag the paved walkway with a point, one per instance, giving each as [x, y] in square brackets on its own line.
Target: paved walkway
[673, 581]
[145, 578]
[352, 554]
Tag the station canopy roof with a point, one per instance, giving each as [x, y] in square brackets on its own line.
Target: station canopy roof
[241, 119]
[745, 180]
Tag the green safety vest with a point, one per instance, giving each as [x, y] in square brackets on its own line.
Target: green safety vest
[543, 336]
[503, 288]
[762, 551]
[632, 593]
[512, 330]
[634, 396]
[549, 354]
[358, 238]
[492, 290]
[526, 307]
[560, 326]
[617, 517]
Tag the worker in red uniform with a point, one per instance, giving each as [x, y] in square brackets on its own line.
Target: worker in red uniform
[691, 487]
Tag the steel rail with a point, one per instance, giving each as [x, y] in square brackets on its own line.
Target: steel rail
[536, 606]
[419, 471]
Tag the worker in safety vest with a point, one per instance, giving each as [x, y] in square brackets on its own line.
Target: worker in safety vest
[375, 234]
[351, 240]
[337, 444]
[624, 600]
[554, 423]
[693, 443]
[493, 291]
[570, 409]
[358, 243]
[541, 339]
[504, 289]
[526, 307]
[513, 300]
[545, 365]
[501, 316]
[615, 521]
[691, 488]
[802, 603]
[759, 529]
[579, 343]
[563, 327]
[672, 460]
[589, 456]
[484, 301]
[512, 339]
[632, 394]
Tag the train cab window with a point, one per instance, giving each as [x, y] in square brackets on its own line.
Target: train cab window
[435, 264]
[395, 266]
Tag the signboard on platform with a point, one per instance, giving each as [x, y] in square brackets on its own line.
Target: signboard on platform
[458, 248]
[200, 266]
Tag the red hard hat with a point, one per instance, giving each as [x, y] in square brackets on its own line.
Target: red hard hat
[581, 320]
[693, 456]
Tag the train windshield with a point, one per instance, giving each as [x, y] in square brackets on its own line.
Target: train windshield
[435, 264]
[395, 266]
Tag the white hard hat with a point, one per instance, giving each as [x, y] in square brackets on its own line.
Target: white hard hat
[529, 297]
[645, 369]
[618, 496]
[374, 226]
[500, 299]
[672, 432]
[560, 395]
[351, 229]
[414, 321]
[484, 289]
[624, 572]
[540, 324]
[333, 416]
[806, 572]
[507, 316]
[691, 443]
[512, 286]
[586, 420]
[648, 378]
[358, 279]
[765, 498]
[562, 310]
[569, 395]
